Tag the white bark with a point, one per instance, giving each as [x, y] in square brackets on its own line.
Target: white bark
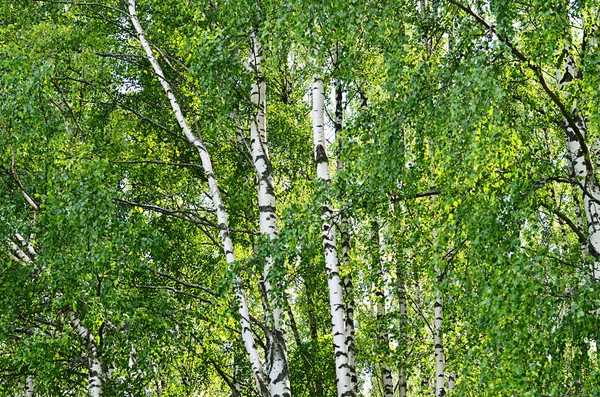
[386, 373]
[17, 254]
[440, 362]
[402, 303]
[438, 306]
[29, 386]
[277, 362]
[336, 301]
[345, 255]
[95, 370]
[581, 168]
[236, 385]
[349, 301]
[215, 193]
[451, 382]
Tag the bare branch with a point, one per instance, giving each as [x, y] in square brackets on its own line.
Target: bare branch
[191, 165]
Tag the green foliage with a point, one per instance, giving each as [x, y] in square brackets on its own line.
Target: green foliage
[450, 142]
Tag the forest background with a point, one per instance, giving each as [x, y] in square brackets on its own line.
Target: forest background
[299, 198]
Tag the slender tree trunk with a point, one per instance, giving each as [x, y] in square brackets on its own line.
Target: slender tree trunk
[451, 382]
[440, 362]
[277, 361]
[236, 386]
[438, 308]
[403, 337]
[584, 172]
[386, 373]
[336, 301]
[29, 390]
[95, 370]
[345, 237]
[196, 141]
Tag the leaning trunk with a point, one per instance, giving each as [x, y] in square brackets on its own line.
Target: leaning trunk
[95, 370]
[215, 193]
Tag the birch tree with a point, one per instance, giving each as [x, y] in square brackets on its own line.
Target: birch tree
[140, 242]
[262, 384]
[334, 283]
[279, 381]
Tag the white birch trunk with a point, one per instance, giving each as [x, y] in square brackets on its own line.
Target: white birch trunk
[345, 257]
[236, 386]
[402, 303]
[95, 370]
[215, 193]
[29, 386]
[440, 362]
[451, 382]
[277, 362]
[438, 306]
[591, 193]
[349, 301]
[334, 282]
[386, 373]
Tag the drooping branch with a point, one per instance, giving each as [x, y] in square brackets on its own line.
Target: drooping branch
[539, 73]
[187, 215]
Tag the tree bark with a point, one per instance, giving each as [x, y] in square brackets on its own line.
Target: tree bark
[95, 369]
[336, 301]
[277, 361]
[196, 141]
[29, 390]
[583, 171]
[403, 337]
[438, 308]
[386, 373]
[440, 361]
[451, 382]
[345, 237]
